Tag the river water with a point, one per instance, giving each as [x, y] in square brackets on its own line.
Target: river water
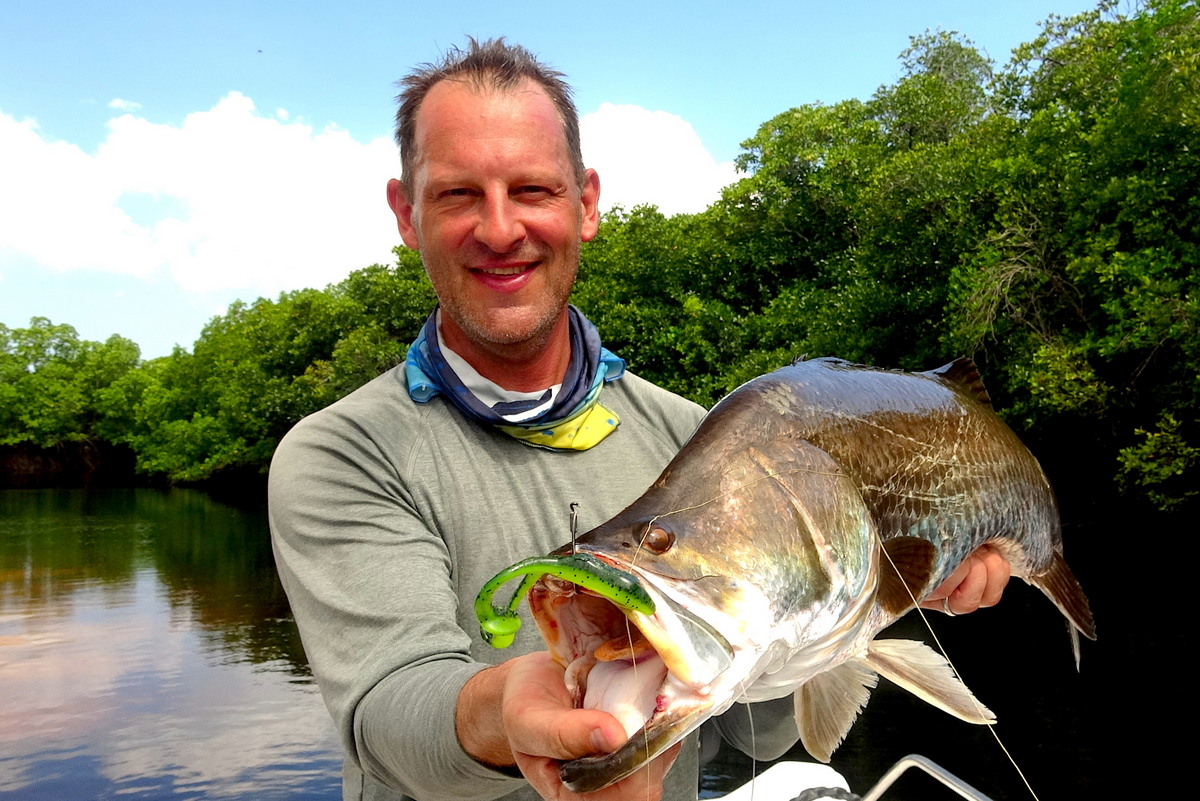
[147, 652]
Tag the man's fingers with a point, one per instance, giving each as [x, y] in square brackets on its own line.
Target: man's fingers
[983, 584]
[538, 717]
[543, 730]
[979, 581]
[647, 783]
[949, 585]
[562, 733]
[998, 572]
[969, 592]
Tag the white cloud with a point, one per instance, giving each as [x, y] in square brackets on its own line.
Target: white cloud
[124, 105]
[237, 200]
[651, 157]
[243, 200]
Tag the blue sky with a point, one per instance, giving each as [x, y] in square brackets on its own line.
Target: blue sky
[159, 160]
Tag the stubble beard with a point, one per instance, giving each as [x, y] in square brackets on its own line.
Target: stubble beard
[516, 333]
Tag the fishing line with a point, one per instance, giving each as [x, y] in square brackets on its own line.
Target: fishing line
[916, 604]
[633, 658]
[633, 664]
[753, 745]
[771, 474]
[629, 628]
[574, 506]
[946, 656]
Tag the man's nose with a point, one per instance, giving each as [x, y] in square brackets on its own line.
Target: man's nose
[499, 225]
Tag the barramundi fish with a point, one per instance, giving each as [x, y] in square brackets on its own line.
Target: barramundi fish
[812, 507]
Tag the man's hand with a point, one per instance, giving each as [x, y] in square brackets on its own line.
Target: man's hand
[979, 581]
[543, 729]
[540, 728]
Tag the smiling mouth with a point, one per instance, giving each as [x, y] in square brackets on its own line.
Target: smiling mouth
[515, 269]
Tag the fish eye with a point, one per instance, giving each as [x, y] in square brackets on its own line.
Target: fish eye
[658, 540]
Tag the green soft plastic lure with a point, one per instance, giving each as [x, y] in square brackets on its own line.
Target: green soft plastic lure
[498, 625]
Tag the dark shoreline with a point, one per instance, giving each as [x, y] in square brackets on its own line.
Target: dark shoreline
[70, 465]
[89, 465]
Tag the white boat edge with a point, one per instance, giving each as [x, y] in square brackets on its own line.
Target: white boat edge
[786, 780]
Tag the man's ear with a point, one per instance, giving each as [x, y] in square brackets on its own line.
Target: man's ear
[403, 209]
[590, 198]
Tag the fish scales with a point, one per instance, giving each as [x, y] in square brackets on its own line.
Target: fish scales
[930, 458]
[806, 513]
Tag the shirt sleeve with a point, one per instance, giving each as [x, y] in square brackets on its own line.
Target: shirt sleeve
[765, 730]
[370, 586]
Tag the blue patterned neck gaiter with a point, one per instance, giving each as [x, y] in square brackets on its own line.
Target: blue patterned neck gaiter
[575, 421]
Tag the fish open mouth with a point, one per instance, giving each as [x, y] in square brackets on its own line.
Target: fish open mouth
[610, 664]
[652, 672]
[628, 649]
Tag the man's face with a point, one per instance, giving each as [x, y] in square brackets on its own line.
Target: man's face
[496, 213]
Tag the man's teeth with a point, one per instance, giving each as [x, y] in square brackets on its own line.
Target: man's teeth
[504, 270]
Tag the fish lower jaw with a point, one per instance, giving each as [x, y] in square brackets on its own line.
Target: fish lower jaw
[670, 721]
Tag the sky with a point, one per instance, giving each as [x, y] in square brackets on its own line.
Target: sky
[160, 160]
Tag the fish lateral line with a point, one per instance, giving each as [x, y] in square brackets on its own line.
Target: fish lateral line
[498, 625]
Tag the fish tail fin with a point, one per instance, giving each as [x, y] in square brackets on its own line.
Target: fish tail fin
[1062, 588]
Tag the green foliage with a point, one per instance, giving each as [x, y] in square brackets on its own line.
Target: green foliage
[1160, 464]
[658, 290]
[259, 368]
[53, 384]
[1042, 217]
[1085, 286]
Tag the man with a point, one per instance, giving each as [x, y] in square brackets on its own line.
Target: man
[391, 508]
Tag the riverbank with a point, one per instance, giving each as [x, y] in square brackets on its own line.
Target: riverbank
[69, 465]
[89, 465]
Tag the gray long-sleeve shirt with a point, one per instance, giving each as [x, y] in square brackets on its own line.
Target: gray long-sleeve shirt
[388, 516]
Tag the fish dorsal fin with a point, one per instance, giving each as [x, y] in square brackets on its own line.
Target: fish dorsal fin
[963, 373]
[904, 572]
[828, 704]
[926, 674]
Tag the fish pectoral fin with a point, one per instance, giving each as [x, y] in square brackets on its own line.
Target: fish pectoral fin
[905, 570]
[926, 674]
[828, 704]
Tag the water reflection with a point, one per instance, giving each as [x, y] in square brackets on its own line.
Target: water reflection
[147, 650]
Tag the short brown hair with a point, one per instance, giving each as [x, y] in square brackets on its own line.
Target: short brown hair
[493, 64]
